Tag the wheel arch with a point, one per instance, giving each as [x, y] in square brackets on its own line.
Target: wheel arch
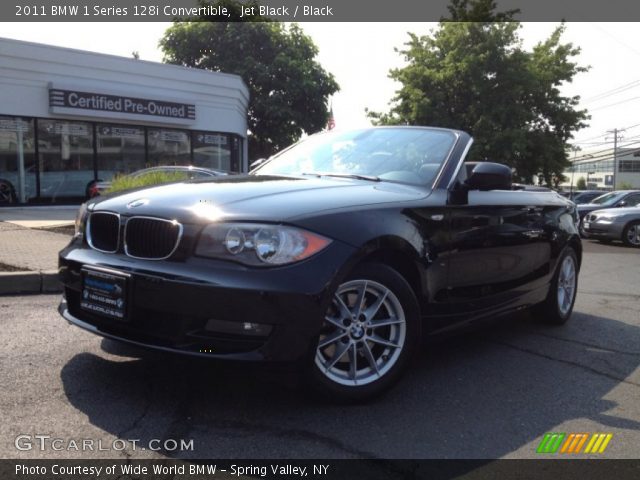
[398, 254]
[576, 244]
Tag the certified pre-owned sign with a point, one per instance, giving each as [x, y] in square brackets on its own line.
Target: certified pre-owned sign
[98, 102]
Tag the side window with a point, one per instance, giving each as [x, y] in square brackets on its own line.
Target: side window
[633, 200]
[198, 174]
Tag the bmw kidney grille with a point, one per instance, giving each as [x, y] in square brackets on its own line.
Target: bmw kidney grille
[144, 237]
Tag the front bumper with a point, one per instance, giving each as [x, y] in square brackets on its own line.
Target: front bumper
[601, 230]
[172, 304]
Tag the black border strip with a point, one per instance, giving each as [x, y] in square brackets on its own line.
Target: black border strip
[323, 11]
[585, 469]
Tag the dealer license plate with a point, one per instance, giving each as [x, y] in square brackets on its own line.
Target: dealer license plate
[104, 293]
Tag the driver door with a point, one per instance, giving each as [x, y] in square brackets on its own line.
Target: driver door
[499, 251]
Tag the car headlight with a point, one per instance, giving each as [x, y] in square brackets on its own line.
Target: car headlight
[259, 244]
[81, 219]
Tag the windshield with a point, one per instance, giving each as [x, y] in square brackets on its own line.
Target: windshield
[408, 155]
[608, 198]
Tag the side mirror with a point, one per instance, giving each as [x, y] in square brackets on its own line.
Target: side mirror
[255, 164]
[622, 203]
[489, 176]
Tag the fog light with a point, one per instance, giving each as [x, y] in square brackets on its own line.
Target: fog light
[238, 328]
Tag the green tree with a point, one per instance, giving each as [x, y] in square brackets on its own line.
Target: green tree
[581, 184]
[472, 73]
[288, 87]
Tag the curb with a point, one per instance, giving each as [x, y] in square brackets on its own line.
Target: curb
[13, 283]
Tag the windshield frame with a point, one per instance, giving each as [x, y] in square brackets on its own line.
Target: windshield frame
[456, 135]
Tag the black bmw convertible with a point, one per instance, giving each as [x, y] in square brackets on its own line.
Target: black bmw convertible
[339, 254]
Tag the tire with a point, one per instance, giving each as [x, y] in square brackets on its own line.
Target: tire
[631, 234]
[581, 231]
[7, 193]
[355, 361]
[557, 307]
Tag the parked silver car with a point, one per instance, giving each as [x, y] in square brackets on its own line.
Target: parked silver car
[190, 172]
[614, 224]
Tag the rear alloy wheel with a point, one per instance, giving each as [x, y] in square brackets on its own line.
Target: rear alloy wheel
[369, 334]
[631, 235]
[557, 307]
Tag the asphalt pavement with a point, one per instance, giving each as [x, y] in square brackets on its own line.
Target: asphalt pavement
[492, 393]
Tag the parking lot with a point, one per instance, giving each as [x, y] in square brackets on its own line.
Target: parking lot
[492, 393]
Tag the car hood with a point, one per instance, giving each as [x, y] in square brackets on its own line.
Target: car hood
[255, 197]
[618, 212]
[589, 207]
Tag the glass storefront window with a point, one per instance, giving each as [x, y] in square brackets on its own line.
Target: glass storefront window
[53, 160]
[629, 166]
[168, 147]
[17, 160]
[65, 150]
[212, 150]
[120, 149]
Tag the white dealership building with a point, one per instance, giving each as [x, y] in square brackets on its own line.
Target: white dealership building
[597, 169]
[71, 117]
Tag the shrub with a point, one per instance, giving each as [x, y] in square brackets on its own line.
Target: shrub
[125, 182]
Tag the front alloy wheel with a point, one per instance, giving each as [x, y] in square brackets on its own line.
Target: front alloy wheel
[631, 235]
[369, 332]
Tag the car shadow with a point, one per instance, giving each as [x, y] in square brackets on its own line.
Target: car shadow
[614, 243]
[484, 394]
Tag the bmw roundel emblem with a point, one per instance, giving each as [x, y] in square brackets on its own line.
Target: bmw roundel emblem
[137, 203]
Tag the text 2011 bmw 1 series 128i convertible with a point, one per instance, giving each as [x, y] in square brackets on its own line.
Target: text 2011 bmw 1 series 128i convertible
[339, 254]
